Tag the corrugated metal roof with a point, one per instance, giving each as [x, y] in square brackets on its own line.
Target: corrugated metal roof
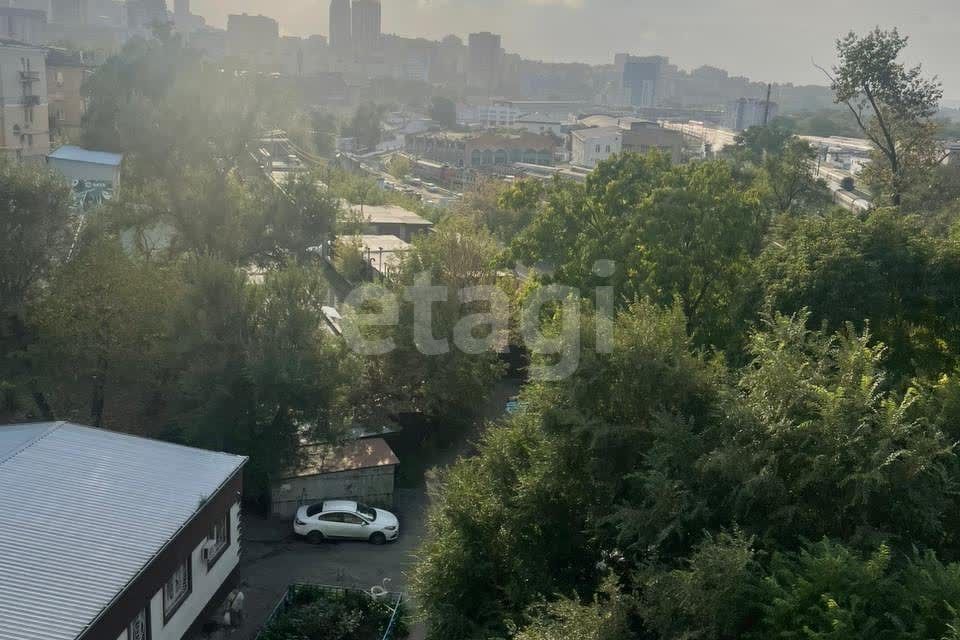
[357, 454]
[83, 511]
[78, 154]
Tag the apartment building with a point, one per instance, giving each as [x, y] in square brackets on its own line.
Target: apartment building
[66, 73]
[24, 114]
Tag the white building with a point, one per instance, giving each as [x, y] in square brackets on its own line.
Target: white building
[106, 535]
[24, 120]
[589, 147]
[543, 123]
[493, 115]
[94, 176]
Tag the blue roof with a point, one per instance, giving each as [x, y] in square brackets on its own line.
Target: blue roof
[78, 154]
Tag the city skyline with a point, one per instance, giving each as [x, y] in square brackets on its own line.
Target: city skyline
[745, 37]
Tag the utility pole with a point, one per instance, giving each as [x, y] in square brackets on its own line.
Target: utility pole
[766, 105]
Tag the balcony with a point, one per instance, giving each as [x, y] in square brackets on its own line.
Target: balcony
[31, 101]
[29, 76]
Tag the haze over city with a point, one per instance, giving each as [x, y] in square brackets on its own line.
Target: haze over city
[766, 41]
[472, 319]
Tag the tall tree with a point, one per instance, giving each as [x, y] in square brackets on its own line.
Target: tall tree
[100, 325]
[365, 125]
[892, 104]
[444, 112]
[36, 232]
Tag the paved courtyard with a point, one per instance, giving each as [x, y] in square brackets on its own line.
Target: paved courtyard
[273, 558]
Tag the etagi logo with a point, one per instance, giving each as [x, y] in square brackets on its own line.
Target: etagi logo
[556, 345]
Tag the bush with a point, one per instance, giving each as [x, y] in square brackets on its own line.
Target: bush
[315, 613]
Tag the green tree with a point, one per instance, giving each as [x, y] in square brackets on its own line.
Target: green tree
[694, 237]
[399, 166]
[443, 111]
[365, 125]
[828, 591]
[885, 270]
[507, 528]
[325, 128]
[256, 373]
[303, 215]
[607, 617]
[893, 106]
[710, 596]
[788, 178]
[35, 236]
[689, 232]
[448, 386]
[100, 329]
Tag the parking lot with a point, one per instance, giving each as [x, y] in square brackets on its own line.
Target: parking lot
[273, 558]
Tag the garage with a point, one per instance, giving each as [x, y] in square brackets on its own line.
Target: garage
[362, 470]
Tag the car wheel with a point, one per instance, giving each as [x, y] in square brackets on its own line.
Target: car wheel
[378, 538]
[314, 537]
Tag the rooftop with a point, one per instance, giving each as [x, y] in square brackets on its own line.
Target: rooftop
[79, 154]
[390, 214]
[98, 483]
[596, 132]
[354, 455]
[389, 258]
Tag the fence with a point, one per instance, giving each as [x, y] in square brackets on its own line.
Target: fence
[285, 601]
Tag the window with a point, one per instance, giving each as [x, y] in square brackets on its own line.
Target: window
[139, 627]
[218, 539]
[608, 148]
[349, 518]
[176, 590]
[332, 517]
[59, 78]
[598, 148]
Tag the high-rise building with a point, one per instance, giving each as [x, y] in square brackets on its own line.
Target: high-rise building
[155, 11]
[184, 20]
[366, 27]
[750, 112]
[248, 34]
[68, 12]
[23, 25]
[450, 61]
[643, 79]
[484, 60]
[341, 40]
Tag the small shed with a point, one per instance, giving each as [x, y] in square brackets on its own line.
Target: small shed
[94, 175]
[361, 470]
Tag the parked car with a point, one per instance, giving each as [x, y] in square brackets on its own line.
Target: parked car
[345, 520]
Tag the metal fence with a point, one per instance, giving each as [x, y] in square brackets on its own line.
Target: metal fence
[285, 601]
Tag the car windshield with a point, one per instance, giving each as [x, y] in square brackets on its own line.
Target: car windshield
[367, 512]
[314, 509]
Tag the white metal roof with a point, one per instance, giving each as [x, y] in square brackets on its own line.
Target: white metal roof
[79, 154]
[82, 512]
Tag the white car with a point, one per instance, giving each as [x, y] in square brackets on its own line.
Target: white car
[345, 520]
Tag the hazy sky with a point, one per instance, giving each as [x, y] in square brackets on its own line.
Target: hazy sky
[767, 40]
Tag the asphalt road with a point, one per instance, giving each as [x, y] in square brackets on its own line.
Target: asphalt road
[273, 557]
